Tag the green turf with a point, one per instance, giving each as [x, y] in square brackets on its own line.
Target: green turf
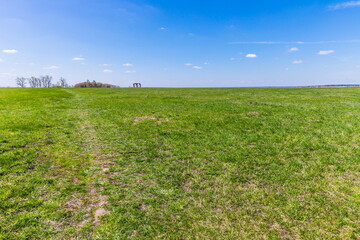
[180, 163]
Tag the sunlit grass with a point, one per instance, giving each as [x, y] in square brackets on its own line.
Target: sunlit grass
[180, 163]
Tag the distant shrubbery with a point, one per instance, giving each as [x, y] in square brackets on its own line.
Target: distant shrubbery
[94, 84]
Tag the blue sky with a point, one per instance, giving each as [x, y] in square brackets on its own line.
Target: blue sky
[182, 43]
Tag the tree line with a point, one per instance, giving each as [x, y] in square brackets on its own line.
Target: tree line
[46, 82]
[40, 82]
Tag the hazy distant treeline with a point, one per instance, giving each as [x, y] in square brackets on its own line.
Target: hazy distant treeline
[47, 82]
[40, 82]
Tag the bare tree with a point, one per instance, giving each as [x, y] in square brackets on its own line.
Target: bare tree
[46, 81]
[62, 82]
[42, 81]
[21, 82]
[37, 82]
[32, 82]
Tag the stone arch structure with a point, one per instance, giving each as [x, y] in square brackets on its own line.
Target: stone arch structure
[137, 85]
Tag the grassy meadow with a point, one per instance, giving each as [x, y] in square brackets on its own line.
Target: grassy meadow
[180, 163]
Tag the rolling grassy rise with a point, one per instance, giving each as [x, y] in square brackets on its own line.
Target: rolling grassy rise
[180, 163]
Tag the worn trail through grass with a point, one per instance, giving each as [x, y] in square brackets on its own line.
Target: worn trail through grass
[52, 167]
[94, 200]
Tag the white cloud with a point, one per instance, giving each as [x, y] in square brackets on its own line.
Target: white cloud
[345, 5]
[130, 71]
[128, 65]
[326, 52]
[197, 67]
[105, 65]
[108, 71]
[206, 63]
[78, 59]
[298, 62]
[251, 55]
[162, 28]
[51, 67]
[10, 51]
[188, 64]
[294, 49]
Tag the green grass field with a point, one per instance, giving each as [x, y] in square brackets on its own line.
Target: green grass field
[180, 163]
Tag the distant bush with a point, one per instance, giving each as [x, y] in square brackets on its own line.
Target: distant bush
[94, 84]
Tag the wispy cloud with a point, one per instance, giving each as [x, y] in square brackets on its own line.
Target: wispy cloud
[162, 28]
[51, 67]
[287, 43]
[108, 71]
[197, 67]
[13, 20]
[131, 10]
[344, 5]
[1, 60]
[251, 55]
[263, 43]
[6, 74]
[188, 64]
[298, 62]
[130, 71]
[106, 65]
[128, 65]
[10, 51]
[206, 63]
[326, 52]
[78, 59]
[294, 49]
